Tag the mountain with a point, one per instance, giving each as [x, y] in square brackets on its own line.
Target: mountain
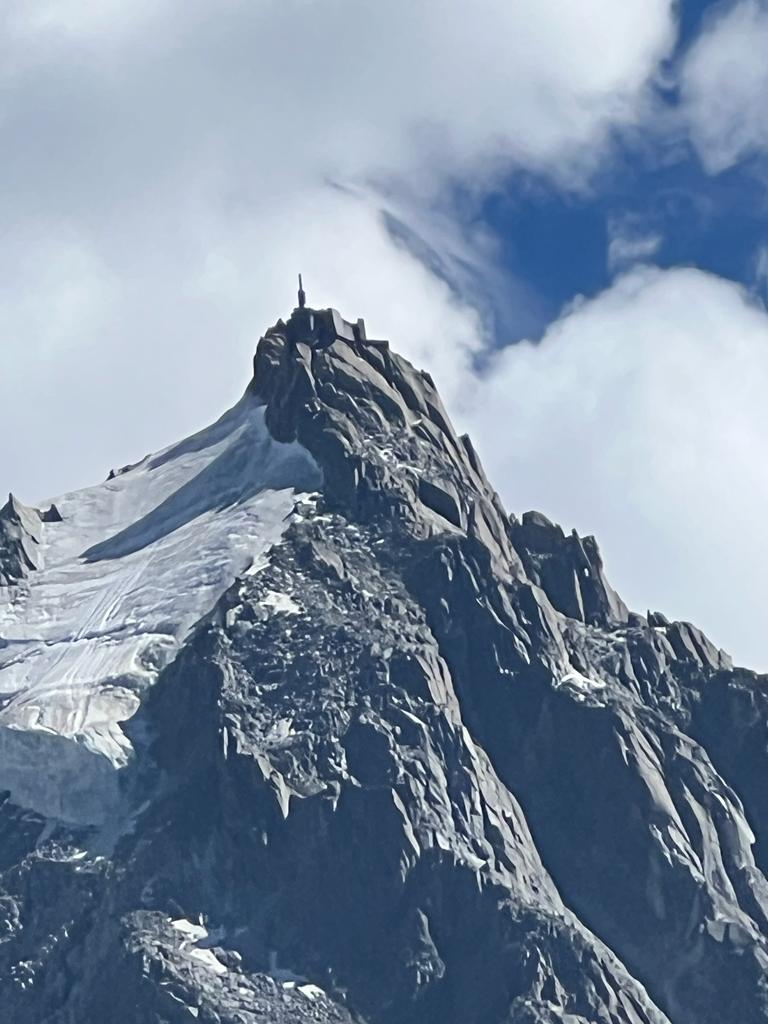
[297, 724]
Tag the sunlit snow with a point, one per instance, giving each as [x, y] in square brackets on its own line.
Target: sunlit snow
[134, 564]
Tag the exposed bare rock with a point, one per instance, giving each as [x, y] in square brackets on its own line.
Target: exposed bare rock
[20, 529]
[417, 765]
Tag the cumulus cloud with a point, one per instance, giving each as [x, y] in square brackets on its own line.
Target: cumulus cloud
[359, 87]
[169, 166]
[724, 85]
[640, 416]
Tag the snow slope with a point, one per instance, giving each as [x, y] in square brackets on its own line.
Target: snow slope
[134, 564]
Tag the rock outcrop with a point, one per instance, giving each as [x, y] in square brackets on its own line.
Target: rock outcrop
[20, 528]
[420, 765]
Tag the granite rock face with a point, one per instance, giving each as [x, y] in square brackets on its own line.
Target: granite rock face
[420, 765]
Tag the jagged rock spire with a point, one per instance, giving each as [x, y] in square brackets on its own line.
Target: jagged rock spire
[338, 769]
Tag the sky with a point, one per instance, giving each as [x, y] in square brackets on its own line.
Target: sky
[557, 208]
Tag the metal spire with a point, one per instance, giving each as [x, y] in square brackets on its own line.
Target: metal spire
[302, 295]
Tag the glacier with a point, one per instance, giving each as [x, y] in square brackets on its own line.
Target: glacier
[133, 565]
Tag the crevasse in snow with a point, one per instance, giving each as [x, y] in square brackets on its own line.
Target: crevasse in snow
[135, 562]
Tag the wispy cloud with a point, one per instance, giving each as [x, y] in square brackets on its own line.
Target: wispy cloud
[724, 85]
[629, 242]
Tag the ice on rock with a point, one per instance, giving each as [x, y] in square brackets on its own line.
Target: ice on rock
[193, 935]
[133, 564]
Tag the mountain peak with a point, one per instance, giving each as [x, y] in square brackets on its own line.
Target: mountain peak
[298, 723]
[321, 327]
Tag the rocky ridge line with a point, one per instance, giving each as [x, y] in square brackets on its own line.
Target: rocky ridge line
[423, 766]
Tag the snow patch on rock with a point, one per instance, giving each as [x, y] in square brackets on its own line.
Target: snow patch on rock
[579, 685]
[132, 566]
[281, 603]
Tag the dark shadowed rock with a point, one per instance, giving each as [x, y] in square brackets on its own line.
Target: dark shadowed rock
[19, 540]
[569, 570]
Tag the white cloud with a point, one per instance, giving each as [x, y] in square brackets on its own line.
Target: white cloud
[354, 88]
[78, 18]
[641, 417]
[166, 170]
[630, 242]
[724, 86]
[104, 368]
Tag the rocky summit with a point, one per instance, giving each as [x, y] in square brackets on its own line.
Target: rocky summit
[298, 724]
